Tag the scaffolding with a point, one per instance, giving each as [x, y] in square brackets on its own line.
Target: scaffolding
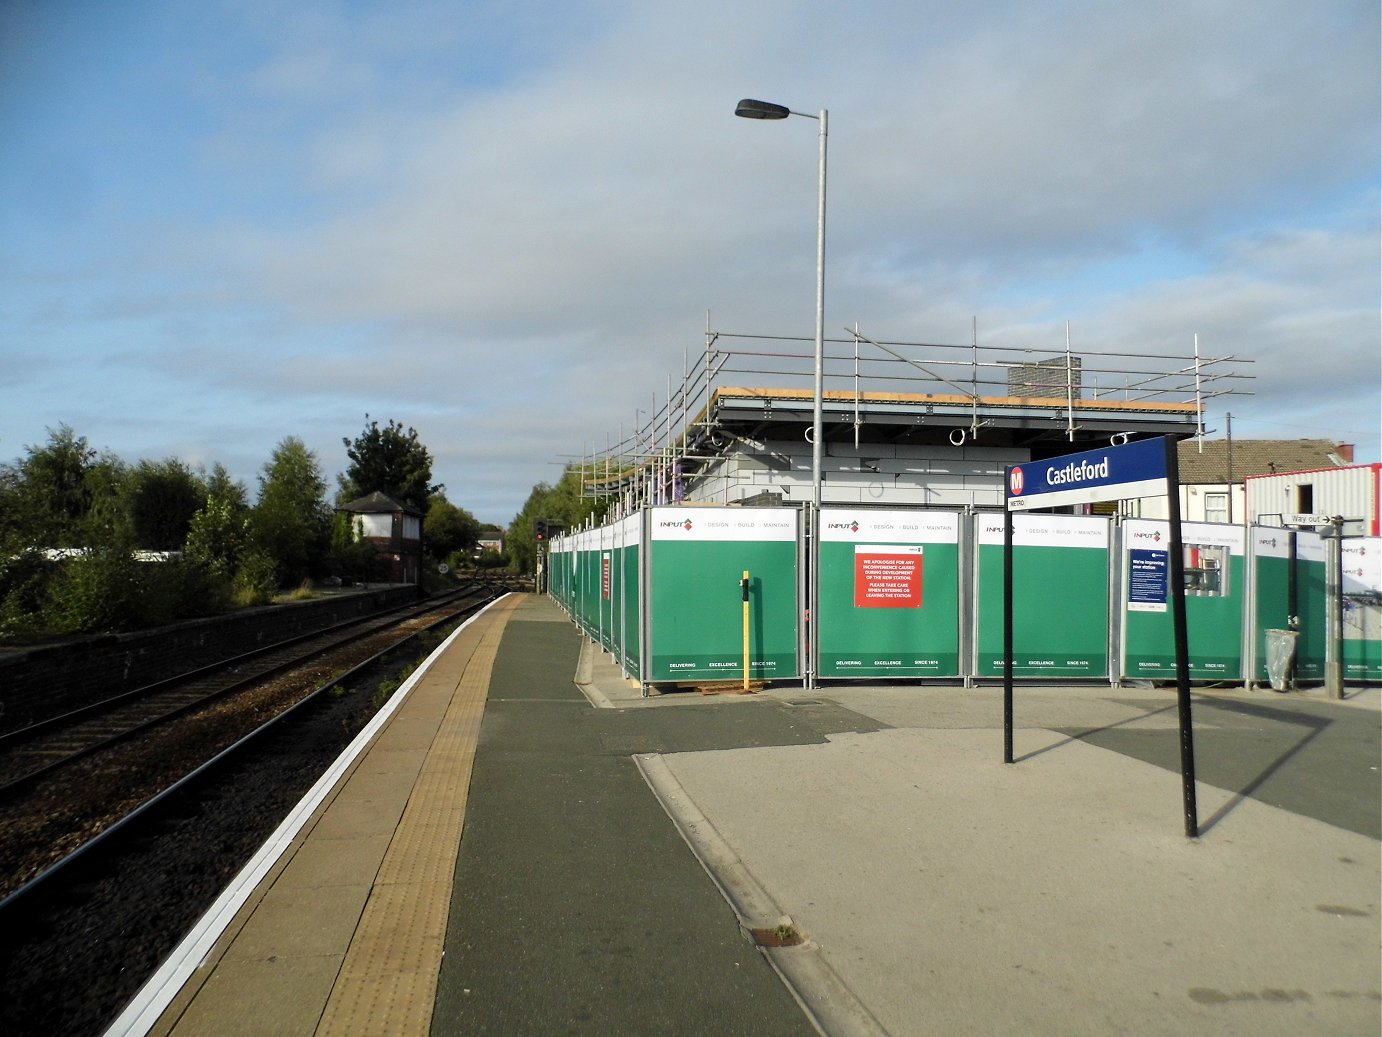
[973, 385]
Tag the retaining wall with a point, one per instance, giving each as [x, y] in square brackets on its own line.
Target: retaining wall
[40, 682]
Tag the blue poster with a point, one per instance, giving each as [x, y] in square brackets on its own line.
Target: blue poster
[1148, 580]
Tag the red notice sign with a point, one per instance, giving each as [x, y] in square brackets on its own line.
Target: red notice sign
[887, 577]
[604, 576]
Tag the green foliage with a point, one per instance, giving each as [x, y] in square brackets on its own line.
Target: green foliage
[53, 483]
[291, 524]
[218, 535]
[220, 486]
[390, 461]
[491, 559]
[562, 504]
[385, 691]
[349, 560]
[255, 580]
[162, 500]
[97, 509]
[177, 590]
[24, 581]
[449, 529]
[97, 593]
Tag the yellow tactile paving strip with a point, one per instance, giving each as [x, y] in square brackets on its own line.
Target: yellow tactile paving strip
[389, 978]
[346, 936]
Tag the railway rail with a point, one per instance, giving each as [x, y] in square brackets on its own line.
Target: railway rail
[101, 919]
[36, 751]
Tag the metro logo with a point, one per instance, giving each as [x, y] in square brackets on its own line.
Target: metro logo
[1016, 481]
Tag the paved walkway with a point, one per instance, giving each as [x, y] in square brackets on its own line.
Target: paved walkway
[938, 890]
[951, 894]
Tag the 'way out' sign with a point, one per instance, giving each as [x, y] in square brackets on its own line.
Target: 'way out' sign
[1132, 470]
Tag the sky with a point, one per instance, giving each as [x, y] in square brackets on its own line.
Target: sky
[506, 224]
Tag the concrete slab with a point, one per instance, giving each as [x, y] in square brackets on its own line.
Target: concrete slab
[261, 998]
[327, 862]
[300, 922]
[954, 894]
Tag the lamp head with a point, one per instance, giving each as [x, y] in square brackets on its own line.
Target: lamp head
[751, 109]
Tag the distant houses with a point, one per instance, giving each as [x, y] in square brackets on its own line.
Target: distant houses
[1271, 482]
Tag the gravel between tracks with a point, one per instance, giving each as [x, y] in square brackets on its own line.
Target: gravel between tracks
[69, 967]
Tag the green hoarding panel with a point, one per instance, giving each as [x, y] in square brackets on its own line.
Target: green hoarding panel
[1312, 645]
[1060, 596]
[889, 594]
[697, 557]
[1271, 598]
[1362, 563]
[1214, 600]
[587, 552]
[604, 588]
[627, 581]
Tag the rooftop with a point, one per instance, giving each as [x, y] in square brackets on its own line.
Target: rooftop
[1232, 461]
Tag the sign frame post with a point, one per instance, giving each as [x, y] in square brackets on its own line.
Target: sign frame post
[1142, 468]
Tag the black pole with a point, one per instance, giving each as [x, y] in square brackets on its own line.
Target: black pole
[1176, 576]
[1007, 635]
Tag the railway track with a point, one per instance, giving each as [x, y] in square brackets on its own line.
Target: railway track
[34, 752]
[85, 932]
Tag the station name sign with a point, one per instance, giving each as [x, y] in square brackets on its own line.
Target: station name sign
[1132, 470]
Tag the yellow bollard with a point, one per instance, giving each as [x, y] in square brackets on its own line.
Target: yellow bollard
[746, 629]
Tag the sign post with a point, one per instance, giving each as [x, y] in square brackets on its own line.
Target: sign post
[745, 587]
[1141, 469]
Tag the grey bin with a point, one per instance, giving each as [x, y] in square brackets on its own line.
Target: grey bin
[1281, 652]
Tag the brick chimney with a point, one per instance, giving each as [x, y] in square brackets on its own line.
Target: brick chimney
[1345, 450]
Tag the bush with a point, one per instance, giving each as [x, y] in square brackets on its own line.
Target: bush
[305, 591]
[490, 559]
[256, 580]
[98, 593]
[24, 583]
[351, 562]
[178, 590]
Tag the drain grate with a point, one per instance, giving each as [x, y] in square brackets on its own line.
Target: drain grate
[784, 934]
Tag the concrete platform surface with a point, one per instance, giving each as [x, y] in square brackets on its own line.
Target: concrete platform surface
[953, 894]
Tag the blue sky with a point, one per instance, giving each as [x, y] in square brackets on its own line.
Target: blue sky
[502, 224]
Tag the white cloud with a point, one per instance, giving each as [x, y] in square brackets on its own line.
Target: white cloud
[509, 219]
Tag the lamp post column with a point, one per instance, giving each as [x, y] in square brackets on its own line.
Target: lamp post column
[817, 424]
[754, 109]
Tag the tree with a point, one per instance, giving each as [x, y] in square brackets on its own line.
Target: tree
[448, 529]
[220, 486]
[389, 461]
[291, 523]
[49, 491]
[163, 498]
[218, 535]
[561, 504]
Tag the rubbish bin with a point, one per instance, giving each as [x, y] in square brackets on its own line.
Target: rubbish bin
[1281, 653]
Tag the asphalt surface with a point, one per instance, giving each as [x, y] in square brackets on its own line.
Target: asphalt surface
[578, 907]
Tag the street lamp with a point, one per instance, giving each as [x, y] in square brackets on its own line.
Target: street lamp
[751, 109]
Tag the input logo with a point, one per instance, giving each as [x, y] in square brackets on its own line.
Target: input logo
[1015, 482]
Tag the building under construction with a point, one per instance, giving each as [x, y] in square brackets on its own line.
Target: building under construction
[910, 424]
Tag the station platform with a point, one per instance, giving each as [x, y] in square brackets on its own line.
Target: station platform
[525, 844]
